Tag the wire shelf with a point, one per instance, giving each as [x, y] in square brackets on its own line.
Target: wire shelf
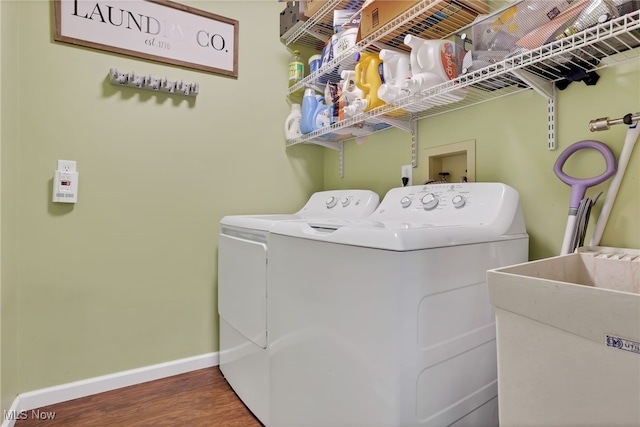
[606, 44]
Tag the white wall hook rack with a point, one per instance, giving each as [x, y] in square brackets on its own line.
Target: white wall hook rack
[178, 87]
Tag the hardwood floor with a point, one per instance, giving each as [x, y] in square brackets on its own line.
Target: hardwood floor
[198, 398]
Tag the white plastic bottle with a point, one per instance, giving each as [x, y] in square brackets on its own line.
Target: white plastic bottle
[390, 94]
[357, 106]
[396, 75]
[349, 89]
[292, 123]
[433, 62]
[432, 56]
[396, 67]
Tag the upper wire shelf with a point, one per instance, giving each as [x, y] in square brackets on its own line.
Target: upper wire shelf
[603, 45]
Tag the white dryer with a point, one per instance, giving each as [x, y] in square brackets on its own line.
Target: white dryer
[243, 289]
[386, 321]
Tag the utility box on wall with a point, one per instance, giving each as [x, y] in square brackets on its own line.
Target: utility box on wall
[452, 162]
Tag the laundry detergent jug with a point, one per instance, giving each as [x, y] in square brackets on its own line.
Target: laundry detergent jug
[433, 62]
[314, 113]
[396, 69]
[432, 56]
[292, 122]
[396, 73]
[367, 78]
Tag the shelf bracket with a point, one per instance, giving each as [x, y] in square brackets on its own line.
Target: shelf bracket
[334, 145]
[410, 126]
[414, 142]
[400, 124]
[316, 35]
[548, 90]
[341, 159]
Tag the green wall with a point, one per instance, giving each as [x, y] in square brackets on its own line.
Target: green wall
[511, 147]
[126, 277]
[9, 136]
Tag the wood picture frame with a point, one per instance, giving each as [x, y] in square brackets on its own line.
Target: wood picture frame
[157, 30]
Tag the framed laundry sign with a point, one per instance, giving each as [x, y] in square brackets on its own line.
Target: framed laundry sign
[158, 30]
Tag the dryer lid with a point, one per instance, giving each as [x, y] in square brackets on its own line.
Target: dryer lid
[322, 204]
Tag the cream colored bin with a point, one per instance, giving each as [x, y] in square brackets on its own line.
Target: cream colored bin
[568, 337]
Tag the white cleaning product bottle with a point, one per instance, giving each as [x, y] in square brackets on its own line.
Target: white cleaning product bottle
[433, 62]
[292, 123]
[432, 56]
[396, 68]
[349, 89]
[396, 74]
[390, 94]
[322, 115]
[356, 106]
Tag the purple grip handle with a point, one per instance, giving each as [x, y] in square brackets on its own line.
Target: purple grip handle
[579, 185]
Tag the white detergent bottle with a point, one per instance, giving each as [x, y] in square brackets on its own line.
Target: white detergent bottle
[356, 106]
[292, 123]
[390, 93]
[433, 62]
[396, 68]
[432, 56]
[349, 89]
[422, 81]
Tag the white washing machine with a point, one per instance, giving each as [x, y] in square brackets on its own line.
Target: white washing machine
[386, 321]
[243, 289]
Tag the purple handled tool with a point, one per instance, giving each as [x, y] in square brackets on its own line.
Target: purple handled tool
[579, 185]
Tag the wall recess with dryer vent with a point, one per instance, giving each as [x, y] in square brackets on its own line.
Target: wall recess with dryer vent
[452, 162]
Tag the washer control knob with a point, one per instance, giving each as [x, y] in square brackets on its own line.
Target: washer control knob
[345, 202]
[332, 202]
[459, 201]
[405, 202]
[430, 201]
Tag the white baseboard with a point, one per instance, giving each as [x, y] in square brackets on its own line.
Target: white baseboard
[9, 421]
[64, 392]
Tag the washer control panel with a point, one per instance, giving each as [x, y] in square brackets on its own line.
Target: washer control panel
[430, 197]
[445, 204]
[340, 204]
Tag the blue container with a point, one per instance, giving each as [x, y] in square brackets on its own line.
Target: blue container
[309, 107]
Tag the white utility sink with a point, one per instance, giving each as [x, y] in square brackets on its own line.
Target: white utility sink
[568, 337]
